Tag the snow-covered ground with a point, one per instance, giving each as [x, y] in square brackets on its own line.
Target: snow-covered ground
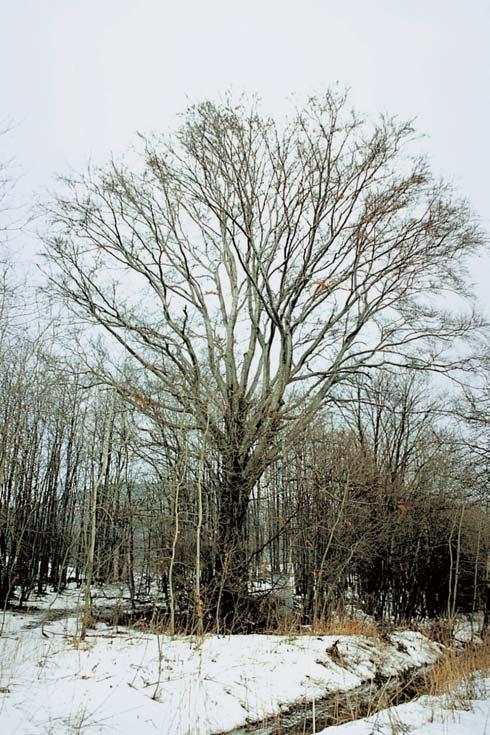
[428, 716]
[127, 682]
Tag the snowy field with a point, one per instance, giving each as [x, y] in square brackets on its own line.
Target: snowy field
[129, 682]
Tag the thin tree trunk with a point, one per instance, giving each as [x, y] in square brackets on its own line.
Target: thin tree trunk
[99, 478]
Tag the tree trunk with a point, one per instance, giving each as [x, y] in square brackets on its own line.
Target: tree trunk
[229, 593]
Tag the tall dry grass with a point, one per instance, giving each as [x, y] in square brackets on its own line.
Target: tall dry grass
[453, 676]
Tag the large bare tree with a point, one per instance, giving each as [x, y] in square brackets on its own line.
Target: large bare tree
[247, 267]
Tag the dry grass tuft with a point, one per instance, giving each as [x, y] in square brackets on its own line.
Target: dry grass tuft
[347, 626]
[440, 631]
[290, 626]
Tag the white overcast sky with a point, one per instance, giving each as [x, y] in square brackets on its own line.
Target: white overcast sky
[79, 77]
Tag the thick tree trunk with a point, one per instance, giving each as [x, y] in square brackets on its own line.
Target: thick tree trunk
[229, 593]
